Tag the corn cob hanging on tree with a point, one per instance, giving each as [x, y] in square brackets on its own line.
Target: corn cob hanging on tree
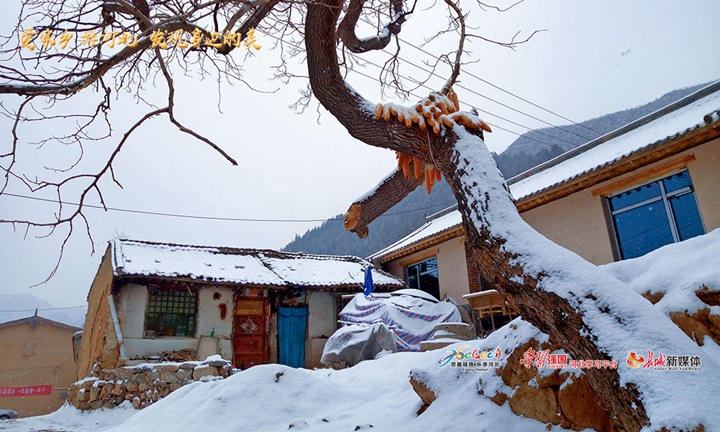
[430, 114]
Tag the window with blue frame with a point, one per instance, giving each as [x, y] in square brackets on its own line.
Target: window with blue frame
[655, 214]
[424, 276]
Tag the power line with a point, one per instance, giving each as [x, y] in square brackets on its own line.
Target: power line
[215, 218]
[503, 90]
[43, 309]
[431, 89]
[490, 123]
[432, 73]
[482, 110]
[479, 109]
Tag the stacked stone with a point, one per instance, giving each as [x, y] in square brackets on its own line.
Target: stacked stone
[143, 385]
[560, 397]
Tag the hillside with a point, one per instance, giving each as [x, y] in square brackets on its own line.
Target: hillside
[523, 154]
[332, 238]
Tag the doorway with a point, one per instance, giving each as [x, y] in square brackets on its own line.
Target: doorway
[292, 334]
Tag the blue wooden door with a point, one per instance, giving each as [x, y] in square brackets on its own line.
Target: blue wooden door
[292, 331]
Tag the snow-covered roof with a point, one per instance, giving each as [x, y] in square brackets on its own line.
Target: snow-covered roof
[692, 112]
[684, 116]
[433, 228]
[242, 266]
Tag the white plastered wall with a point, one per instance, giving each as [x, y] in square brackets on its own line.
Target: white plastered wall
[131, 303]
[322, 322]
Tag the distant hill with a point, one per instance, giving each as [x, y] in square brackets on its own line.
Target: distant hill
[18, 306]
[523, 154]
[332, 238]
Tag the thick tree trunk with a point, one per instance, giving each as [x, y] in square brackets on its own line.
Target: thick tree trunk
[481, 191]
[591, 315]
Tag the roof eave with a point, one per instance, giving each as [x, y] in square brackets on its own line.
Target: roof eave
[640, 158]
[687, 100]
[42, 320]
[424, 243]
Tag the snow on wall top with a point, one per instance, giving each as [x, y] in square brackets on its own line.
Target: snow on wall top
[694, 111]
[241, 266]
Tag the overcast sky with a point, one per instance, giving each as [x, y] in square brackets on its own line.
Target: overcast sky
[594, 58]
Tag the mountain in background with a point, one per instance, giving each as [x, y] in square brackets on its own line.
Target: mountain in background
[17, 306]
[524, 153]
[333, 239]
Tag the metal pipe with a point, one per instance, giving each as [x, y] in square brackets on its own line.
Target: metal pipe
[118, 332]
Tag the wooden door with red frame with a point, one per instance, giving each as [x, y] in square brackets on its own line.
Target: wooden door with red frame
[250, 331]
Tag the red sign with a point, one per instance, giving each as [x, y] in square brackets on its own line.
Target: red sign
[25, 391]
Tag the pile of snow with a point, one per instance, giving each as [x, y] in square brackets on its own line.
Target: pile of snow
[411, 316]
[70, 419]
[677, 271]
[372, 396]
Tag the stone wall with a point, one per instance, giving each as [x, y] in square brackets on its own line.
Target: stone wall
[141, 385]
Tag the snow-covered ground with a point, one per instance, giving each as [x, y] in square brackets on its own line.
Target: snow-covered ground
[68, 418]
[376, 395]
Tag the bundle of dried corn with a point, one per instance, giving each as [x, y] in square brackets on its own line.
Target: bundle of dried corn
[430, 114]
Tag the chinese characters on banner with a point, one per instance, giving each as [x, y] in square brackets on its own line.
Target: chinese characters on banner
[543, 359]
[162, 39]
[25, 391]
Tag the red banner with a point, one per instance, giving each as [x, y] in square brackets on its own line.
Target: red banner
[25, 391]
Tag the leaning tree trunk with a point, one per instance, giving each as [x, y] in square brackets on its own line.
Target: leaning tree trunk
[591, 315]
[517, 271]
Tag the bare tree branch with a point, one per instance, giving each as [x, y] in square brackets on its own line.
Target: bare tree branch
[460, 21]
[346, 29]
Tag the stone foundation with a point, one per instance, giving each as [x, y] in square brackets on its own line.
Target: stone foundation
[142, 385]
[555, 398]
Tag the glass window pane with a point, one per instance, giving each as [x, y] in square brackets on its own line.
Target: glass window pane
[424, 276]
[171, 313]
[634, 196]
[430, 284]
[412, 278]
[643, 229]
[430, 266]
[677, 181]
[687, 216]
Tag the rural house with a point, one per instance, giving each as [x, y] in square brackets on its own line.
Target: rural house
[36, 364]
[650, 183]
[251, 306]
